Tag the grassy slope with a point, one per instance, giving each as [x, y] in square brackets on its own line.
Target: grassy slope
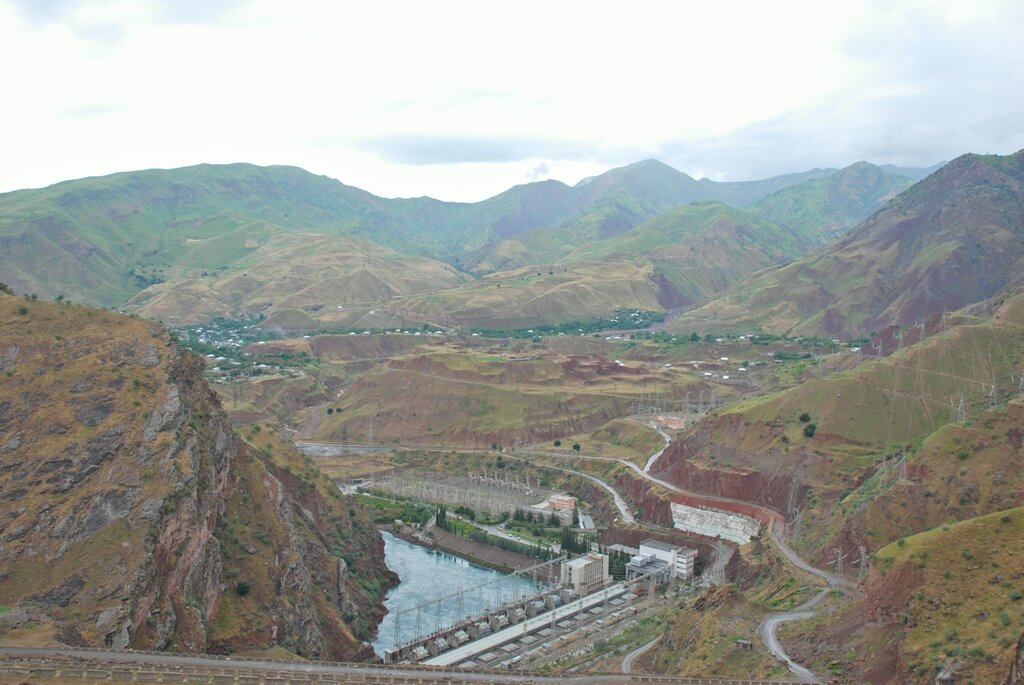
[827, 207]
[946, 595]
[530, 296]
[875, 409]
[317, 274]
[951, 240]
[702, 248]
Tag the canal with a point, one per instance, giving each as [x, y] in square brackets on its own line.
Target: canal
[437, 589]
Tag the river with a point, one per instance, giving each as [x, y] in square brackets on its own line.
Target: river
[427, 575]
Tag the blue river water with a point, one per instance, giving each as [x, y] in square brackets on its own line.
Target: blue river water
[428, 575]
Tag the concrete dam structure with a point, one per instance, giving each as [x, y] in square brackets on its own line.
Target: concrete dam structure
[712, 523]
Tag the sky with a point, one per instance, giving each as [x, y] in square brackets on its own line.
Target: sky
[461, 100]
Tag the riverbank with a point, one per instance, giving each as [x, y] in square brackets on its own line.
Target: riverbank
[478, 553]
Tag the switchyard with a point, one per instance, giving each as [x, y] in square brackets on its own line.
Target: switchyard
[491, 492]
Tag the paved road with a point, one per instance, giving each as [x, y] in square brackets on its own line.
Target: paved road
[657, 455]
[627, 661]
[766, 631]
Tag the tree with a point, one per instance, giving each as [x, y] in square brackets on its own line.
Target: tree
[242, 588]
[576, 446]
[809, 430]
[694, 337]
[558, 443]
[576, 517]
[553, 520]
[805, 417]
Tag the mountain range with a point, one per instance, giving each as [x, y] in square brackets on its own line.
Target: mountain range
[953, 239]
[192, 243]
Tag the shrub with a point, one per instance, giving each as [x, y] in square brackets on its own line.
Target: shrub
[576, 446]
[558, 443]
[23, 310]
[810, 429]
[1015, 595]
[805, 417]
[242, 588]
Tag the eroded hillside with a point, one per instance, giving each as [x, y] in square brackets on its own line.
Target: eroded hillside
[132, 515]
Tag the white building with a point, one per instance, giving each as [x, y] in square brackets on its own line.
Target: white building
[587, 573]
[681, 559]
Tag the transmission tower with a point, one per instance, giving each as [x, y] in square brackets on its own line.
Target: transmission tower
[903, 466]
[992, 396]
[791, 503]
[795, 527]
[862, 563]
[961, 414]
[839, 556]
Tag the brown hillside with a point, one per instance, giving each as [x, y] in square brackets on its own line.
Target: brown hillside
[954, 239]
[131, 515]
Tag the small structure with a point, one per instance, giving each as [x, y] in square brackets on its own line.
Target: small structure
[587, 573]
[744, 645]
[561, 506]
[681, 559]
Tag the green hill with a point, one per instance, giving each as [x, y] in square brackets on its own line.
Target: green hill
[104, 239]
[953, 239]
[702, 248]
[827, 207]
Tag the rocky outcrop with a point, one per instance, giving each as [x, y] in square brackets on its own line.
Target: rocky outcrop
[1016, 676]
[122, 489]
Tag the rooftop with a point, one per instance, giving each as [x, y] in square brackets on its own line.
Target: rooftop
[658, 544]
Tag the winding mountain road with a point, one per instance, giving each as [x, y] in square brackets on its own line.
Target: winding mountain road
[769, 626]
[766, 631]
[627, 661]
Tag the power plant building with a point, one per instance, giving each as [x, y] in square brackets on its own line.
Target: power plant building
[587, 573]
[663, 559]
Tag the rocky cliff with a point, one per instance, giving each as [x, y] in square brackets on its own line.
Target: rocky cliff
[132, 515]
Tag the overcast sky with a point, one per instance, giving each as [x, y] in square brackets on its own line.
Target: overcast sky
[462, 100]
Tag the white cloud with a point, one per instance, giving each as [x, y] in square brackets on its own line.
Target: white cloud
[461, 99]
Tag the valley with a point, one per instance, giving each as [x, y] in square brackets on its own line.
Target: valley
[813, 383]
